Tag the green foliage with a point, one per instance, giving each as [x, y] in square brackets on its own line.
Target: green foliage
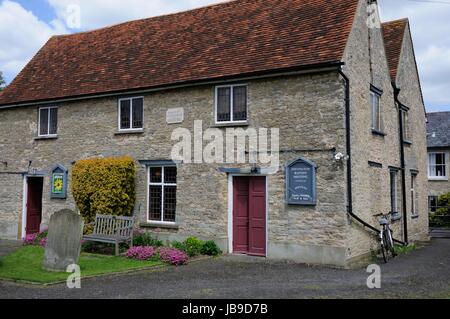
[145, 239]
[210, 248]
[404, 250]
[104, 186]
[444, 205]
[193, 246]
[178, 245]
[26, 264]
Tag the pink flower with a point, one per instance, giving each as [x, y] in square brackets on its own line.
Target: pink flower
[173, 256]
[43, 242]
[29, 239]
[141, 252]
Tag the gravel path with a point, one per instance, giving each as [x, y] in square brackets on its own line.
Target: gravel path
[424, 273]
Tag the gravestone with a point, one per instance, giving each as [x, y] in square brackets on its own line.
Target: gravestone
[64, 240]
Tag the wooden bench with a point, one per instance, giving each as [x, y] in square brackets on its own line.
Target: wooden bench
[112, 230]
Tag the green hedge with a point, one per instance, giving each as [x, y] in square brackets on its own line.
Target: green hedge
[104, 186]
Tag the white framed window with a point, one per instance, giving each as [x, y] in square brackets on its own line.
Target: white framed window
[162, 194]
[131, 114]
[231, 104]
[414, 198]
[394, 191]
[405, 126]
[437, 165]
[48, 121]
[433, 203]
[376, 112]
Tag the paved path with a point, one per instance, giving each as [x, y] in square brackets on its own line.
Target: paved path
[425, 273]
[440, 232]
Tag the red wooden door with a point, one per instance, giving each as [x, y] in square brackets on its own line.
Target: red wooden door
[34, 204]
[249, 215]
[257, 216]
[240, 214]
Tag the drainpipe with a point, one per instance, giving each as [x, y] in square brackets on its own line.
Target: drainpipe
[402, 162]
[349, 160]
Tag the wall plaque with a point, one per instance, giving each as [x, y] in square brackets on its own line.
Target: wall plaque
[58, 182]
[301, 182]
[174, 116]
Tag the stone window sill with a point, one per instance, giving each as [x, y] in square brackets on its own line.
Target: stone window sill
[414, 216]
[159, 225]
[52, 137]
[130, 132]
[378, 133]
[230, 124]
[407, 142]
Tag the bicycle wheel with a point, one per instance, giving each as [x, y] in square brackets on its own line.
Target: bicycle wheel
[388, 244]
[384, 253]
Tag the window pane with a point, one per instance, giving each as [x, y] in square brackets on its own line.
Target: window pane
[43, 121]
[375, 111]
[138, 113]
[170, 203]
[393, 192]
[440, 159]
[170, 175]
[155, 175]
[53, 121]
[240, 103]
[125, 114]
[223, 104]
[154, 205]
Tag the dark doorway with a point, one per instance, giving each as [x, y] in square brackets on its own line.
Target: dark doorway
[34, 204]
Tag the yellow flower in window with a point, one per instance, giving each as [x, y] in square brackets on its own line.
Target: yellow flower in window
[58, 185]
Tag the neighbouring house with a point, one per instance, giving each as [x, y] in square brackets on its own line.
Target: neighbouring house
[438, 138]
[342, 91]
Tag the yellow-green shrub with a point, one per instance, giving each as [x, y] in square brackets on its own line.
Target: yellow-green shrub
[104, 186]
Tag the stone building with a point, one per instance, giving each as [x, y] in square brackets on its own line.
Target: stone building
[438, 141]
[341, 91]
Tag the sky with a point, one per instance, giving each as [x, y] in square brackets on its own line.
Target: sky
[25, 26]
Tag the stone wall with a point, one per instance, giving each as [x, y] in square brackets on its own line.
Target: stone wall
[307, 109]
[11, 192]
[366, 64]
[416, 151]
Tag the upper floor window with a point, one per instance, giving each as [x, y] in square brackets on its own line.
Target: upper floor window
[437, 165]
[231, 103]
[394, 191]
[131, 113]
[405, 122]
[48, 121]
[376, 112]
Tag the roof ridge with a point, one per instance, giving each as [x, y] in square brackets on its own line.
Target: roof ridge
[396, 21]
[222, 2]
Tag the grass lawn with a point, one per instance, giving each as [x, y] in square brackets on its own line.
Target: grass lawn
[25, 264]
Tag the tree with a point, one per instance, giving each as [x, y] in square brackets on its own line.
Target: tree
[2, 81]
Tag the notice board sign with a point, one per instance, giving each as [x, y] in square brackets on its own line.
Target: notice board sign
[301, 182]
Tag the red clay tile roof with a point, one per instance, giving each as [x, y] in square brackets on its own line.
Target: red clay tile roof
[393, 33]
[224, 40]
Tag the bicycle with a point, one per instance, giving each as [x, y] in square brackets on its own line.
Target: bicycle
[385, 238]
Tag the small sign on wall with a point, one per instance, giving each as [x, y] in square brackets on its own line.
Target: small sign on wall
[175, 115]
[301, 182]
[58, 182]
